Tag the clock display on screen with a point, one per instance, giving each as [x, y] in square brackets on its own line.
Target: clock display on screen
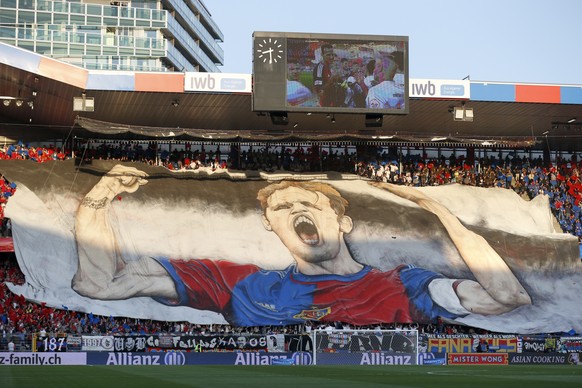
[269, 51]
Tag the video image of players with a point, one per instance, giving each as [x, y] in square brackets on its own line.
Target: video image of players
[346, 74]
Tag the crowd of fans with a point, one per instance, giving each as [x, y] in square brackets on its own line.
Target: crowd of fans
[560, 181]
[6, 191]
[18, 317]
[528, 177]
[187, 157]
[41, 154]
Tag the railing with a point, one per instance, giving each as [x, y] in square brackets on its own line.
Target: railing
[96, 42]
[134, 15]
[176, 29]
[198, 28]
[206, 15]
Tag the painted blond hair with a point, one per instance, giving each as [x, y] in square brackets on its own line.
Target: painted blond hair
[337, 202]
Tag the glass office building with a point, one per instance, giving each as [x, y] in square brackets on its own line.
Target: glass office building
[142, 35]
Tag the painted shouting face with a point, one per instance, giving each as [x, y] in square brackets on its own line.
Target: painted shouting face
[306, 224]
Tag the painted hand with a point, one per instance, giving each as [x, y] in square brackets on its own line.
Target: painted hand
[124, 179]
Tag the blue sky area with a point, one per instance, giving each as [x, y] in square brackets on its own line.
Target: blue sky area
[530, 41]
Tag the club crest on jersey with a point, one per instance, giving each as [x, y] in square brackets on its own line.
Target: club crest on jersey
[313, 314]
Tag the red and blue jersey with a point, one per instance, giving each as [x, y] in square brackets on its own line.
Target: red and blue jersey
[247, 295]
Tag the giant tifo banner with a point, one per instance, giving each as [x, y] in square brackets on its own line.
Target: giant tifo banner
[258, 249]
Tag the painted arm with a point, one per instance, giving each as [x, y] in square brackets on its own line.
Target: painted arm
[102, 272]
[496, 290]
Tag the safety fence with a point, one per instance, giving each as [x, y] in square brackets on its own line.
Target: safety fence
[337, 348]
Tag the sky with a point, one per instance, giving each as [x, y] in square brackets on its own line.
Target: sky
[522, 41]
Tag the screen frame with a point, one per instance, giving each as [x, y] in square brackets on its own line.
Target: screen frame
[270, 80]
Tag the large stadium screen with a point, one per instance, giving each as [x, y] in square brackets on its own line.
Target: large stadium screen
[298, 72]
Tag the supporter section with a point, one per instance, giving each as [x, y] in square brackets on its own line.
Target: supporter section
[527, 177]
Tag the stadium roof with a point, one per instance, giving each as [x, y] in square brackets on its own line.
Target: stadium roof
[158, 105]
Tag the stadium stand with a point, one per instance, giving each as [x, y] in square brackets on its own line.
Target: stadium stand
[19, 318]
